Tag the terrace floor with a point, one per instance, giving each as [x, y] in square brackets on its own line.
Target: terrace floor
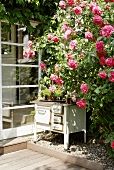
[22, 154]
[30, 160]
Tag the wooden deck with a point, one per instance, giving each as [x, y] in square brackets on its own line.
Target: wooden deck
[30, 160]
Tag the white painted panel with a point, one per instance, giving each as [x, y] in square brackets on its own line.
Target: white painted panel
[20, 131]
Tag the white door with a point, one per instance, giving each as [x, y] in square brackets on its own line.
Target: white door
[18, 84]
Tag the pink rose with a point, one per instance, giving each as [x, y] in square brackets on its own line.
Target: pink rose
[67, 33]
[109, 62]
[107, 30]
[65, 27]
[53, 77]
[96, 10]
[103, 54]
[112, 145]
[83, 4]
[31, 53]
[43, 66]
[81, 55]
[111, 77]
[70, 2]
[72, 44]
[52, 88]
[62, 4]
[50, 36]
[25, 54]
[79, 21]
[102, 75]
[77, 10]
[102, 61]
[88, 35]
[73, 64]
[81, 103]
[100, 46]
[107, 7]
[91, 5]
[57, 67]
[30, 44]
[59, 81]
[55, 39]
[84, 88]
[69, 57]
[98, 20]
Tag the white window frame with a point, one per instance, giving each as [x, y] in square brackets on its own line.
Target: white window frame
[22, 130]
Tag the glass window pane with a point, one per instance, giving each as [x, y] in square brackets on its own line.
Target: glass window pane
[17, 117]
[11, 54]
[14, 34]
[12, 75]
[19, 95]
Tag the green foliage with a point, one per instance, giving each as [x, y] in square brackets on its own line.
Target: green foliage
[46, 92]
[107, 142]
[58, 93]
[22, 11]
[100, 96]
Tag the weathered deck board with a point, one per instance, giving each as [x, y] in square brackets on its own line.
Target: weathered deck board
[30, 160]
[21, 155]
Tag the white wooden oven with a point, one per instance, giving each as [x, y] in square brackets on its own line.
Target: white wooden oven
[61, 118]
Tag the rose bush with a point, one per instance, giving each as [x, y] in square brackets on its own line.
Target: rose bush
[84, 49]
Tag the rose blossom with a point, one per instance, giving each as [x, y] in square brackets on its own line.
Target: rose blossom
[112, 145]
[98, 20]
[57, 67]
[69, 57]
[30, 44]
[62, 4]
[67, 33]
[50, 36]
[72, 44]
[103, 141]
[88, 35]
[96, 10]
[81, 103]
[84, 88]
[77, 10]
[107, 30]
[25, 54]
[59, 81]
[64, 26]
[99, 46]
[73, 64]
[81, 55]
[111, 78]
[53, 77]
[43, 66]
[31, 53]
[55, 39]
[102, 75]
[91, 5]
[102, 61]
[109, 62]
[52, 88]
[83, 4]
[70, 2]
[79, 21]
[107, 7]
[103, 54]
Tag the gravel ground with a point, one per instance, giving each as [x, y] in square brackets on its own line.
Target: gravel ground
[93, 150]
